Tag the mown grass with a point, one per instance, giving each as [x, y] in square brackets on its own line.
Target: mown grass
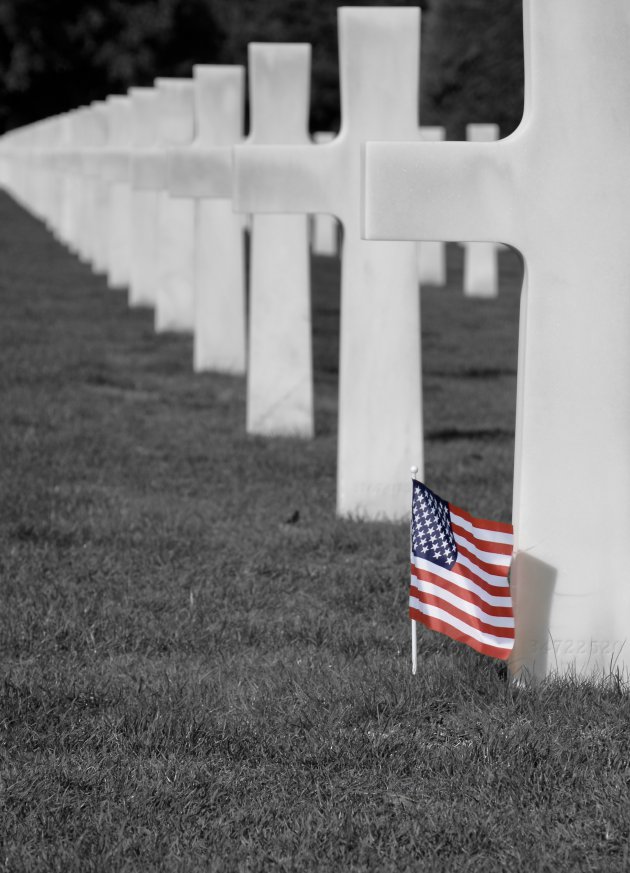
[203, 669]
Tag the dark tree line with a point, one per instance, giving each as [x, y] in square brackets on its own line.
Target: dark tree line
[59, 54]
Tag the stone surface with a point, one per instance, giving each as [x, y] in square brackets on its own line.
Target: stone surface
[432, 253]
[175, 232]
[204, 171]
[73, 190]
[95, 201]
[481, 263]
[558, 190]
[324, 228]
[68, 209]
[175, 303]
[116, 173]
[380, 430]
[144, 199]
[280, 369]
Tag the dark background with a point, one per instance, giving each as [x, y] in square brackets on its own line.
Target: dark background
[58, 54]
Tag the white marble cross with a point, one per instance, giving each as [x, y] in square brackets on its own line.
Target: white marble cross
[74, 190]
[116, 172]
[204, 171]
[558, 189]
[481, 266]
[174, 309]
[67, 206]
[432, 253]
[95, 198]
[325, 228]
[280, 367]
[175, 251]
[144, 196]
[379, 373]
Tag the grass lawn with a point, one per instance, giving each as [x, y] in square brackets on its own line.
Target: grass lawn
[195, 677]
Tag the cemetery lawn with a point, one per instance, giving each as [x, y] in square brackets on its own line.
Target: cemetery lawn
[203, 669]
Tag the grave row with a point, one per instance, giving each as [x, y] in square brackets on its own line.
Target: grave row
[177, 175]
[143, 188]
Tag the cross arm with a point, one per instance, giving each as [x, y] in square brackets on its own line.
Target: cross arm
[116, 165]
[200, 172]
[148, 169]
[440, 191]
[285, 179]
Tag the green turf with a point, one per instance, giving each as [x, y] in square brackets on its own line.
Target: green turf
[202, 669]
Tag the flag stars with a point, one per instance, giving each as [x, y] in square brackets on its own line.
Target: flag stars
[432, 536]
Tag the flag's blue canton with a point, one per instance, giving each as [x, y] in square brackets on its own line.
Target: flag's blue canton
[431, 534]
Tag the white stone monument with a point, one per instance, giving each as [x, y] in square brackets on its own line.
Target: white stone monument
[175, 304]
[175, 250]
[144, 196]
[74, 188]
[204, 171]
[117, 174]
[380, 425]
[558, 190]
[481, 264]
[98, 189]
[432, 253]
[66, 167]
[51, 147]
[280, 359]
[325, 228]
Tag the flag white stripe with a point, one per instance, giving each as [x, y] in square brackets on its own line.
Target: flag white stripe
[491, 578]
[464, 605]
[486, 557]
[447, 618]
[482, 533]
[463, 582]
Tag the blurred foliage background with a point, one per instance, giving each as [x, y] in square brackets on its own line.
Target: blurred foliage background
[58, 54]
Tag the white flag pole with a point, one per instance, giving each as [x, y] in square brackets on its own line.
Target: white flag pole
[414, 635]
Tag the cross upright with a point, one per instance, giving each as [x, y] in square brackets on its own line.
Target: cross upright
[116, 172]
[432, 253]
[481, 266]
[324, 228]
[73, 161]
[557, 189]
[95, 201]
[175, 218]
[144, 197]
[280, 368]
[379, 372]
[204, 172]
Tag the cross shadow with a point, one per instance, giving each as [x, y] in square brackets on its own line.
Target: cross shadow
[532, 583]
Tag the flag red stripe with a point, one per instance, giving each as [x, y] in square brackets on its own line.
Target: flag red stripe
[484, 545]
[465, 617]
[495, 590]
[449, 631]
[463, 593]
[493, 569]
[498, 526]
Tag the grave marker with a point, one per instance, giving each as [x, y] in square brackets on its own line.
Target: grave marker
[97, 190]
[144, 199]
[481, 266]
[379, 373]
[325, 231]
[558, 190]
[174, 300]
[117, 174]
[432, 253]
[280, 371]
[174, 308]
[204, 171]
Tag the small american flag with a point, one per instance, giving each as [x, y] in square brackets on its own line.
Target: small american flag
[459, 574]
